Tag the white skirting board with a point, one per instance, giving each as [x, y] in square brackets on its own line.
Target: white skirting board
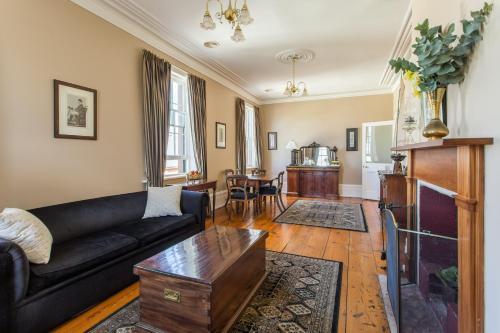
[351, 190]
[346, 190]
[220, 199]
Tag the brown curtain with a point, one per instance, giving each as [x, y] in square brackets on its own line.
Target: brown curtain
[197, 109]
[258, 137]
[241, 147]
[156, 89]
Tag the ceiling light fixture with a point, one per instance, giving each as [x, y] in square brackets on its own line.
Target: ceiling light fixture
[292, 57]
[292, 89]
[236, 17]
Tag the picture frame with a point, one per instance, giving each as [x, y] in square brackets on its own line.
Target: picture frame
[75, 111]
[272, 140]
[351, 139]
[220, 135]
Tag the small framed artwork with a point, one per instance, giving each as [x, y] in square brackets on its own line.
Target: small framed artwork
[272, 140]
[220, 135]
[75, 111]
[352, 139]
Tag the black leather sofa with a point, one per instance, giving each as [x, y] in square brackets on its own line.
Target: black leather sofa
[96, 243]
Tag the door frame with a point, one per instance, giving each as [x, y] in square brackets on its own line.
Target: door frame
[363, 145]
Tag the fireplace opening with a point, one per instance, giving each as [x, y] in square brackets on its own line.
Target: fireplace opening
[422, 263]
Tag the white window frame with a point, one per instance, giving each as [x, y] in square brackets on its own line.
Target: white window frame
[186, 159]
[250, 136]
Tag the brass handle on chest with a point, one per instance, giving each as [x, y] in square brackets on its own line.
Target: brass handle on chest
[172, 295]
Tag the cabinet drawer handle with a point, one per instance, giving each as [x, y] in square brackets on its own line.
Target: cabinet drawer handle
[172, 295]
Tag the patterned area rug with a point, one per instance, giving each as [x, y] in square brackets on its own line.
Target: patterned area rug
[328, 214]
[299, 294]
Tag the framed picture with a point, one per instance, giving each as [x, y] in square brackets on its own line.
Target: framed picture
[352, 139]
[220, 135]
[272, 140]
[75, 111]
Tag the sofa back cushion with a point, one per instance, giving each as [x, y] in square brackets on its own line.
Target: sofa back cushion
[75, 219]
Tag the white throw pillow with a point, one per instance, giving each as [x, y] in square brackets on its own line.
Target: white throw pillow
[163, 201]
[27, 231]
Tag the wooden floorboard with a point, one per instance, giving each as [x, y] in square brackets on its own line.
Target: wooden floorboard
[361, 308]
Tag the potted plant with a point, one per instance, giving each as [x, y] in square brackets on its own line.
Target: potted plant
[442, 58]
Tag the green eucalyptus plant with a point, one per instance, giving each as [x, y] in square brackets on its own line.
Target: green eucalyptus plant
[442, 56]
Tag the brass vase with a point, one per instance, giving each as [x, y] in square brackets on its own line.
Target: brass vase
[435, 129]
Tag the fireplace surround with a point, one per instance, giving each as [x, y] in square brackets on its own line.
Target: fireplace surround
[422, 262]
[457, 165]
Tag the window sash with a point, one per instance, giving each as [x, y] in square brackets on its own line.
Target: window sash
[251, 143]
[179, 144]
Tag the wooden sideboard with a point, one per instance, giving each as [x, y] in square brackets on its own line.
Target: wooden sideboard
[320, 182]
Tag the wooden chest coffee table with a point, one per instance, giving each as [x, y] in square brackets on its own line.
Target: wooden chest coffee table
[203, 283]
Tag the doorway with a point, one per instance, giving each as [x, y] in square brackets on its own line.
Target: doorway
[376, 155]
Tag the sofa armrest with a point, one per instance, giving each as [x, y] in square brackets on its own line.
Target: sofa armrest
[14, 279]
[195, 203]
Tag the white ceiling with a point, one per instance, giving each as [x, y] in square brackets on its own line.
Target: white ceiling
[352, 41]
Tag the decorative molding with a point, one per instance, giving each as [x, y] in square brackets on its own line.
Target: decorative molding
[135, 20]
[380, 91]
[351, 190]
[130, 17]
[401, 48]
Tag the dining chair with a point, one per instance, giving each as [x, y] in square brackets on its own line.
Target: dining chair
[274, 191]
[227, 173]
[238, 192]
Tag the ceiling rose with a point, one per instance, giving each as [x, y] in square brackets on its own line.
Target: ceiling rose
[299, 55]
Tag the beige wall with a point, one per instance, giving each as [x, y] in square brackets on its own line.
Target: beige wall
[323, 121]
[473, 112]
[44, 40]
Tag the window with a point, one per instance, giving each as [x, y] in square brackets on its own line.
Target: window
[179, 147]
[251, 141]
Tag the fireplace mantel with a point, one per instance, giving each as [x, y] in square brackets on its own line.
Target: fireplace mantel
[457, 164]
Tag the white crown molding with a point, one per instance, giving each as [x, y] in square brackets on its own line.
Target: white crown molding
[358, 93]
[131, 18]
[401, 48]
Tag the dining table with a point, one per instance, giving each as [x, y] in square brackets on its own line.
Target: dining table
[257, 181]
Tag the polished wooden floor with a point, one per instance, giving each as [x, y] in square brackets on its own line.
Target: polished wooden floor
[361, 307]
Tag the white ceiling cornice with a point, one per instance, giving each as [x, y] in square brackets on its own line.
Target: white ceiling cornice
[401, 48]
[129, 17]
[132, 18]
[381, 91]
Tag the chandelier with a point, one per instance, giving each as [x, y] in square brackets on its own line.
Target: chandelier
[295, 89]
[236, 17]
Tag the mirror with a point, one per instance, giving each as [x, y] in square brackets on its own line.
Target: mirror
[317, 155]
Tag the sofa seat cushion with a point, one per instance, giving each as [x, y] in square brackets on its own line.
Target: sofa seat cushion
[152, 229]
[70, 258]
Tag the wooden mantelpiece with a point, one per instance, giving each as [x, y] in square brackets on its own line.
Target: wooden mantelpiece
[458, 165]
